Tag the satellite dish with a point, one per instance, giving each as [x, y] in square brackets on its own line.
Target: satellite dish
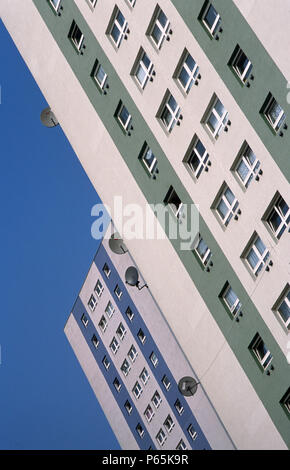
[131, 276]
[47, 118]
[187, 386]
[117, 245]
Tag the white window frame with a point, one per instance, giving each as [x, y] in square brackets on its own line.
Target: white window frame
[130, 314]
[252, 167]
[203, 158]
[179, 409]
[126, 372]
[118, 292]
[137, 390]
[237, 305]
[192, 432]
[114, 346]
[262, 360]
[106, 270]
[99, 288]
[110, 309]
[121, 331]
[181, 445]
[191, 73]
[270, 105]
[161, 437]
[156, 400]
[242, 76]
[149, 413]
[142, 340]
[166, 382]
[55, 7]
[285, 402]
[205, 258]
[132, 354]
[122, 29]
[93, 3]
[154, 359]
[106, 362]
[92, 303]
[231, 207]
[285, 300]
[85, 320]
[163, 29]
[221, 120]
[213, 28]
[144, 376]
[131, 2]
[104, 321]
[128, 407]
[173, 113]
[177, 211]
[78, 45]
[285, 219]
[101, 84]
[117, 384]
[169, 424]
[262, 258]
[150, 168]
[129, 118]
[147, 70]
[140, 430]
[95, 341]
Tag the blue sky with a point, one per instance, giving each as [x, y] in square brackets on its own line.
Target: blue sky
[46, 250]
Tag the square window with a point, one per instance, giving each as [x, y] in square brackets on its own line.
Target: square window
[186, 71]
[154, 359]
[178, 406]
[282, 307]
[246, 166]
[159, 27]
[231, 300]
[118, 292]
[55, 4]
[202, 250]
[106, 362]
[216, 118]
[161, 437]
[125, 367]
[169, 112]
[211, 19]
[142, 69]
[133, 353]
[124, 117]
[256, 255]
[129, 314]
[117, 385]
[273, 113]
[140, 430]
[117, 27]
[131, 2]
[137, 390]
[95, 341]
[174, 202]
[181, 445]
[99, 75]
[121, 331]
[110, 309]
[92, 303]
[149, 413]
[196, 157]
[128, 407]
[156, 400]
[103, 323]
[169, 424]
[226, 204]
[106, 270]
[240, 63]
[277, 216]
[192, 432]
[261, 352]
[85, 320]
[144, 376]
[99, 288]
[93, 3]
[141, 336]
[166, 382]
[148, 159]
[114, 346]
[76, 36]
[285, 402]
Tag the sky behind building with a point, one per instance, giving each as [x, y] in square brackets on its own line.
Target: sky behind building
[46, 249]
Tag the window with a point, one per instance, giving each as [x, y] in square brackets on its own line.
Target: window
[141, 336]
[166, 382]
[93, 3]
[261, 351]
[169, 424]
[55, 4]
[124, 117]
[202, 250]
[144, 376]
[110, 309]
[117, 385]
[174, 202]
[106, 270]
[192, 432]
[247, 165]
[140, 430]
[133, 353]
[227, 205]
[156, 400]
[279, 216]
[179, 407]
[128, 407]
[231, 300]
[217, 118]
[149, 413]
[273, 113]
[285, 402]
[137, 390]
[282, 307]
[257, 255]
[125, 367]
[160, 28]
[129, 314]
[142, 69]
[99, 288]
[241, 64]
[154, 359]
[148, 158]
[169, 112]
[117, 28]
[95, 341]
[181, 445]
[211, 19]
[76, 36]
[118, 292]
[103, 323]
[187, 72]
[100, 76]
[114, 346]
[196, 158]
[84, 320]
[121, 331]
[106, 362]
[161, 437]
[92, 303]
[131, 2]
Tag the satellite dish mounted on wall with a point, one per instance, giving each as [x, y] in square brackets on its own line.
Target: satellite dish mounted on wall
[187, 386]
[117, 245]
[47, 118]
[132, 277]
